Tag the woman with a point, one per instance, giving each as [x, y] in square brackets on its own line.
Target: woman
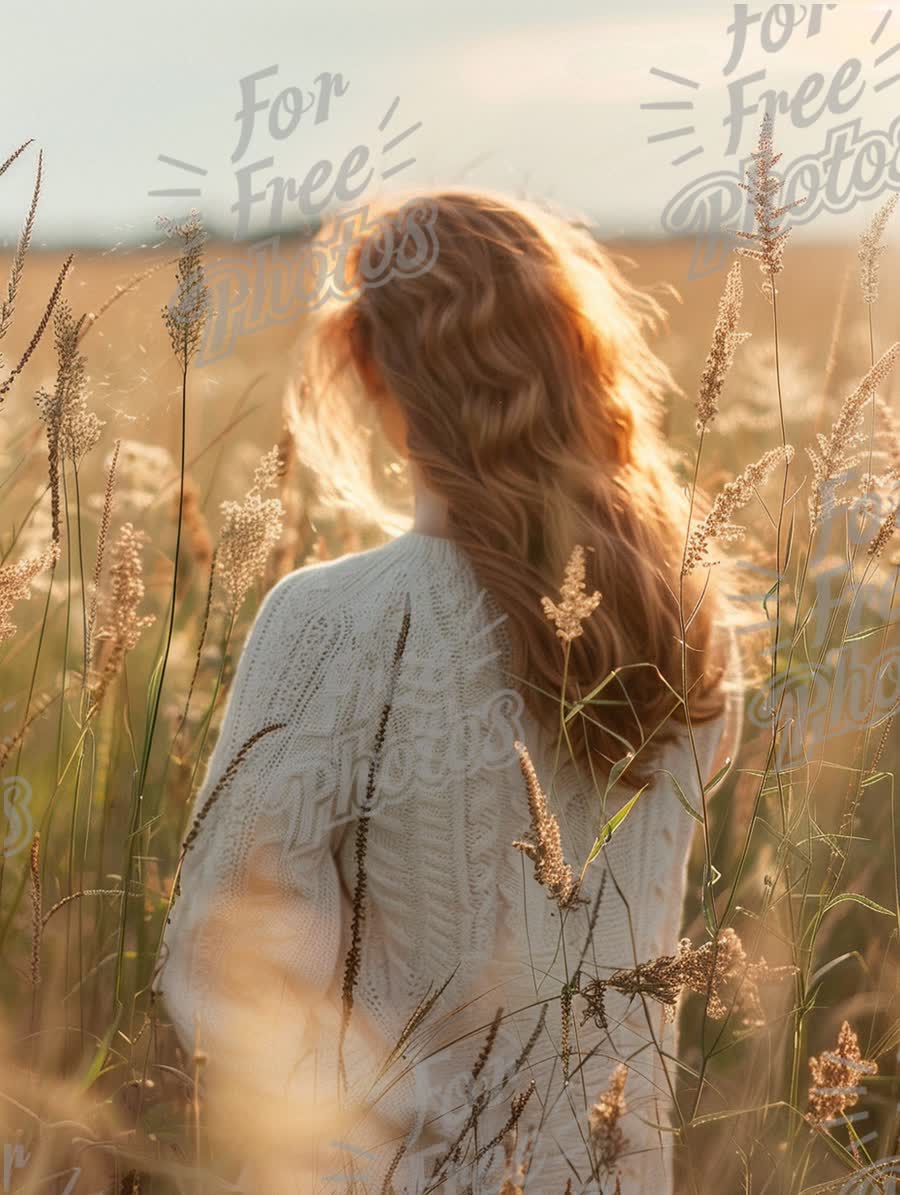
[371, 837]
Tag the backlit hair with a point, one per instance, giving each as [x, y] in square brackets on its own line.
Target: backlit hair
[534, 406]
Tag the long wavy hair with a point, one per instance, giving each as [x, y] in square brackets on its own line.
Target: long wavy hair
[516, 349]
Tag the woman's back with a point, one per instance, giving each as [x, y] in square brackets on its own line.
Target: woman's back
[450, 920]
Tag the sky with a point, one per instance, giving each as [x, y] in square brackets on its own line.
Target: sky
[525, 96]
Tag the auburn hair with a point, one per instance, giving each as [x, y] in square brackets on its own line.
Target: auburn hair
[534, 407]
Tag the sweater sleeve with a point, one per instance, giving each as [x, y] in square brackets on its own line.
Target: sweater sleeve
[253, 939]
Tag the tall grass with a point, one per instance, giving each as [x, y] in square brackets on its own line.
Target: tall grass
[122, 612]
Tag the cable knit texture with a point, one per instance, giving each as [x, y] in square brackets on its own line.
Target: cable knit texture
[449, 900]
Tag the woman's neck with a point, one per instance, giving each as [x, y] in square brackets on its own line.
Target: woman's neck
[430, 508]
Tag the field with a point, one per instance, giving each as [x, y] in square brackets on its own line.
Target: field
[106, 718]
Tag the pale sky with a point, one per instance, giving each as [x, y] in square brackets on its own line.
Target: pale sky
[517, 94]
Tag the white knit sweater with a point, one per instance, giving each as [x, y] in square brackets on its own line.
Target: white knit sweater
[255, 952]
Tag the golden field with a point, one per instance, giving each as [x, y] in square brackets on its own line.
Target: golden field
[91, 1074]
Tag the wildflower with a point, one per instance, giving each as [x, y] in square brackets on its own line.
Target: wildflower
[603, 1121]
[732, 496]
[835, 1077]
[871, 249]
[726, 338]
[550, 867]
[250, 529]
[575, 605]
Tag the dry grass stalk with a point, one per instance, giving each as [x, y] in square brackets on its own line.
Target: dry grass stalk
[53, 419]
[7, 307]
[418, 1015]
[207, 606]
[834, 456]
[77, 430]
[195, 524]
[222, 784]
[518, 1105]
[453, 1153]
[7, 748]
[124, 626]
[575, 605]
[835, 344]
[884, 535]
[186, 316]
[762, 186]
[485, 1051]
[82, 892]
[102, 534]
[835, 1078]
[290, 495]
[516, 1165]
[387, 1187]
[15, 154]
[529, 1045]
[353, 959]
[607, 1138]
[726, 339]
[870, 248]
[550, 867]
[565, 1017]
[15, 584]
[737, 493]
[37, 921]
[18, 264]
[249, 532]
[891, 433]
[713, 970]
[888, 481]
[92, 316]
[6, 386]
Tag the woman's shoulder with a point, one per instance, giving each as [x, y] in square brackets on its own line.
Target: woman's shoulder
[410, 553]
[327, 632]
[362, 585]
